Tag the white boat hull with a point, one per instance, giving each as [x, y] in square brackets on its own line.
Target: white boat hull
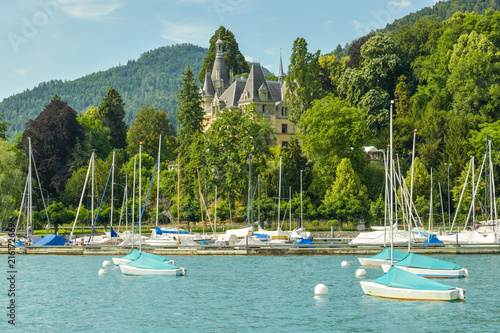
[432, 273]
[373, 262]
[129, 270]
[161, 242]
[120, 261]
[380, 290]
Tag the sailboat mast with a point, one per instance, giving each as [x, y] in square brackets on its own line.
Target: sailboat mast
[158, 183]
[178, 200]
[29, 223]
[92, 198]
[279, 196]
[215, 212]
[201, 203]
[133, 201]
[301, 216]
[112, 187]
[430, 213]
[290, 205]
[140, 197]
[391, 172]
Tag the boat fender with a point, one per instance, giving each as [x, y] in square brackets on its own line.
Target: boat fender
[103, 271]
[360, 273]
[345, 263]
[320, 289]
[106, 263]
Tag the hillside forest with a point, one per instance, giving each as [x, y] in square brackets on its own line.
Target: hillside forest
[442, 76]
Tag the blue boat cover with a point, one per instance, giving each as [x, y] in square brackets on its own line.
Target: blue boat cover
[161, 232]
[385, 254]
[420, 261]
[398, 278]
[261, 236]
[146, 261]
[304, 241]
[113, 232]
[134, 254]
[432, 241]
[51, 240]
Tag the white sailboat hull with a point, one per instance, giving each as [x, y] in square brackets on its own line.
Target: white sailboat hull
[373, 262]
[120, 261]
[164, 241]
[432, 273]
[129, 270]
[380, 290]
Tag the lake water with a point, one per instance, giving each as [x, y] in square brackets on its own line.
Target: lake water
[237, 294]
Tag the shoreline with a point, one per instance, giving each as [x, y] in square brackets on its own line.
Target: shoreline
[207, 250]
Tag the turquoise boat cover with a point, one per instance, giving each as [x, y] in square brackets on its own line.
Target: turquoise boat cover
[420, 261]
[385, 254]
[146, 261]
[397, 278]
[134, 254]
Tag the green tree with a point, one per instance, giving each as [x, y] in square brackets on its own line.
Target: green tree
[303, 81]
[97, 138]
[347, 198]
[231, 140]
[336, 131]
[147, 127]
[233, 58]
[190, 119]
[11, 182]
[474, 74]
[112, 114]
[3, 127]
[58, 214]
[54, 133]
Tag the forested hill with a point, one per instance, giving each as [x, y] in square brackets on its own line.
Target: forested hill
[444, 10]
[153, 79]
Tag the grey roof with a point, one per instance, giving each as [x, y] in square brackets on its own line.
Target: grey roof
[275, 90]
[220, 65]
[208, 86]
[255, 80]
[232, 94]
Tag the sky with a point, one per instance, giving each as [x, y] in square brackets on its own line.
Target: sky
[47, 40]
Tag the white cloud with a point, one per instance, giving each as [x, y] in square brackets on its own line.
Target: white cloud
[21, 71]
[89, 10]
[249, 58]
[358, 24]
[268, 67]
[187, 33]
[329, 23]
[401, 3]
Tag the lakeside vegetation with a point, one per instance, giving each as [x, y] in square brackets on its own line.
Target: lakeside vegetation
[442, 75]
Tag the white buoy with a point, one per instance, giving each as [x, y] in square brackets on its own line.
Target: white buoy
[106, 263]
[320, 289]
[360, 273]
[103, 271]
[345, 263]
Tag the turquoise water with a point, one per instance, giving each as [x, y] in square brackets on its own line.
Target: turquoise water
[238, 294]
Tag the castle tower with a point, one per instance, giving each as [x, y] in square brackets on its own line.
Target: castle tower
[220, 76]
[280, 72]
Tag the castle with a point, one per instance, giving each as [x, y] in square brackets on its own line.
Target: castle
[221, 91]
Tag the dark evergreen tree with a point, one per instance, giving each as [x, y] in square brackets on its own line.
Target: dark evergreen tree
[3, 127]
[190, 119]
[112, 114]
[53, 135]
[233, 58]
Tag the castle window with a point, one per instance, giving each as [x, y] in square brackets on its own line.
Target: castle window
[284, 128]
[284, 144]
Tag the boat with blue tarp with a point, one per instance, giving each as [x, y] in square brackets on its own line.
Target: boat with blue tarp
[429, 267]
[399, 284]
[134, 254]
[383, 257]
[145, 264]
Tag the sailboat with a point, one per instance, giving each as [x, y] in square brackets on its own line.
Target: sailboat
[147, 263]
[400, 284]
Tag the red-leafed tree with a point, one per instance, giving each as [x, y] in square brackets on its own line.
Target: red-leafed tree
[53, 134]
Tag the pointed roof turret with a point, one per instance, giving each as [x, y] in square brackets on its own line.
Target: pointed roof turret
[255, 81]
[208, 86]
[280, 71]
[219, 70]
